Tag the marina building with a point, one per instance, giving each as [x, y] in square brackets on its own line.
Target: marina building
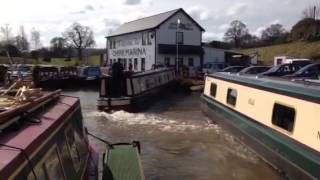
[164, 39]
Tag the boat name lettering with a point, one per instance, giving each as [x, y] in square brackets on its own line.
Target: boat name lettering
[318, 135]
[129, 52]
[251, 101]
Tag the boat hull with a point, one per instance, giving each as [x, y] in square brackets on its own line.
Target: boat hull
[261, 140]
[138, 102]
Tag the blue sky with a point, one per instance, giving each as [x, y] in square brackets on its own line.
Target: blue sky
[51, 18]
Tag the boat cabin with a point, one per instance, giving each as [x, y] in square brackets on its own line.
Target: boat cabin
[276, 118]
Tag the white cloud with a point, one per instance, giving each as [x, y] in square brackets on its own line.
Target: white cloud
[132, 2]
[53, 17]
[237, 9]
[199, 13]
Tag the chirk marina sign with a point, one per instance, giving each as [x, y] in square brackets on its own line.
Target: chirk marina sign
[129, 52]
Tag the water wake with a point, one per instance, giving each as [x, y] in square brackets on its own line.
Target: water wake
[163, 124]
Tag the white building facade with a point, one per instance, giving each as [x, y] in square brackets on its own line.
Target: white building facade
[157, 41]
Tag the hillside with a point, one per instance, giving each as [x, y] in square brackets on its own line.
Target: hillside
[309, 50]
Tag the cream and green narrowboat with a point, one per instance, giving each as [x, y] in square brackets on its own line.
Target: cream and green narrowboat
[278, 119]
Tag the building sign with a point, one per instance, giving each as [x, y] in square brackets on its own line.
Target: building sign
[129, 52]
[183, 26]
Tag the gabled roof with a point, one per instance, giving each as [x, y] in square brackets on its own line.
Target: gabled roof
[146, 23]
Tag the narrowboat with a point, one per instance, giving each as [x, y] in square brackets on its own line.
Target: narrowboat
[46, 75]
[68, 73]
[277, 119]
[42, 137]
[89, 73]
[136, 91]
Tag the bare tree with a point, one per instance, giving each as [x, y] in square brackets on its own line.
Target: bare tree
[273, 33]
[21, 40]
[6, 32]
[58, 46]
[312, 11]
[79, 37]
[236, 32]
[35, 38]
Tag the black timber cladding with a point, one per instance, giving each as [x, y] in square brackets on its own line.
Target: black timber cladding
[298, 90]
[149, 23]
[183, 49]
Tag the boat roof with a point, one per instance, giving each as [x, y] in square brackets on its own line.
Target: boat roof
[302, 90]
[31, 136]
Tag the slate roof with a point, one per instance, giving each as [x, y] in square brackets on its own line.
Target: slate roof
[150, 22]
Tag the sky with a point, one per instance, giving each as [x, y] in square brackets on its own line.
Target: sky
[52, 17]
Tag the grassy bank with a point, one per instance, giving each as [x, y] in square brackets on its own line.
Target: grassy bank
[92, 60]
[309, 50]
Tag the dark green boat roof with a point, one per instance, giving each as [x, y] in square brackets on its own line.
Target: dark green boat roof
[302, 90]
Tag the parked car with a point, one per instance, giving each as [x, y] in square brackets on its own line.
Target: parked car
[311, 71]
[211, 67]
[233, 69]
[253, 70]
[283, 69]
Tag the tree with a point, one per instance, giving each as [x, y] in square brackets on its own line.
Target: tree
[276, 32]
[236, 32]
[249, 40]
[35, 38]
[312, 11]
[6, 32]
[79, 37]
[58, 46]
[21, 40]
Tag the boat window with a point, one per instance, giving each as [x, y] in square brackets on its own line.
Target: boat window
[283, 116]
[49, 168]
[53, 166]
[213, 89]
[73, 150]
[232, 97]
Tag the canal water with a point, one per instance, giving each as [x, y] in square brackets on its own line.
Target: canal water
[178, 141]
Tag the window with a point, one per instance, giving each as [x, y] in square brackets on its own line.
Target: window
[213, 89]
[166, 61]
[144, 38]
[143, 64]
[150, 36]
[179, 38]
[110, 44]
[135, 65]
[180, 62]
[48, 168]
[283, 116]
[190, 62]
[114, 45]
[73, 150]
[232, 97]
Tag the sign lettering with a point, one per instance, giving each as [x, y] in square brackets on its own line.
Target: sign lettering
[318, 135]
[129, 52]
[182, 26]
